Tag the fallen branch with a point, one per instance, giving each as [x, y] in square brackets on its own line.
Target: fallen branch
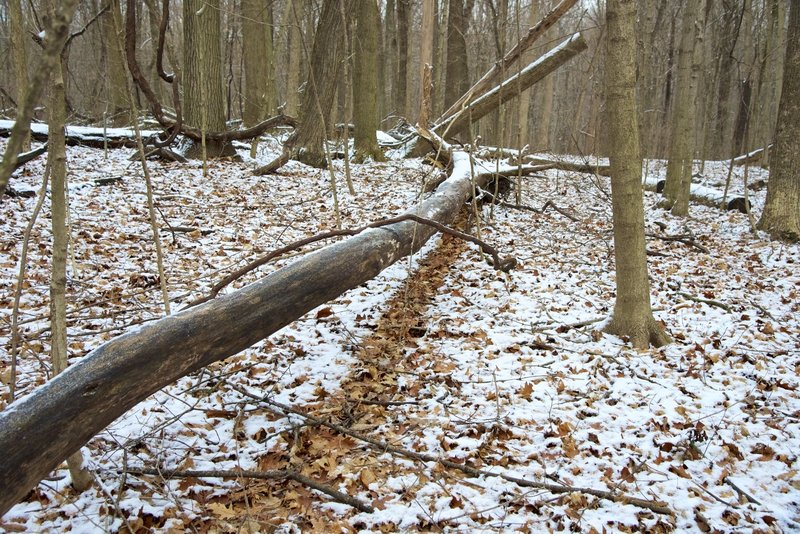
[261, 475]
[548, 204]
[655, 506]
[504, 264]
[714, 303]
[686, 239]
[740, 491]
[602, 170]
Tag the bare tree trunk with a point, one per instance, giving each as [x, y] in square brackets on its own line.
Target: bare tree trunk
[204, 102]
[81, 478]
[523, 132]
[294, 46]
[115, 67]
[20, 58]
[781, 216]
[457, 77]
[401, 75]
[365, 79]
[259, 93]
[679, 168]
[632, 316]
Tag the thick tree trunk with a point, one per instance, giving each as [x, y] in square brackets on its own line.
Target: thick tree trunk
[457, 76]
[259, 93]
[781, 216]
[632, 316]
[320, 87]
[19, 56]
[38, 431]
[204, 94]
[365, 79]
[294, 51]
[115, 66]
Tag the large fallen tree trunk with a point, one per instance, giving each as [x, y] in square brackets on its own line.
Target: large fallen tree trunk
[38, 431]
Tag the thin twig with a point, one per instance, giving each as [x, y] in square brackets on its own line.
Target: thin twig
[685, 239]
[740, 491]
[279, 474]
[548, 204]
[715, 303]
[655, 506]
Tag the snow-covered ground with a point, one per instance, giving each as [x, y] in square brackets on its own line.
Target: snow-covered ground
[502, 372]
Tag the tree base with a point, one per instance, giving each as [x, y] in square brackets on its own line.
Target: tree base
[641, 333]
[214, 149]
[781, 229]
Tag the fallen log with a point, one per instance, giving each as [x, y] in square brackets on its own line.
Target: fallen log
[41, 429]
[561, 165]
[512, 87]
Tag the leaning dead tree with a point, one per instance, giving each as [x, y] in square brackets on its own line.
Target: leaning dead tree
[38, 431]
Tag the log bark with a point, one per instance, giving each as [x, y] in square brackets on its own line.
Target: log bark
[512, 87]
[38, 431]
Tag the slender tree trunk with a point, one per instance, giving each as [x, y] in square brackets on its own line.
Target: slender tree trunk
[402, 56]
[632, 316]
[781, 216]
[204, 95]
[294, 49]
[390, 52]
[525, 96]
[727, 72]
[259, 94]
[20, 58]
[684, 123]
[365, 79]
[81, 478]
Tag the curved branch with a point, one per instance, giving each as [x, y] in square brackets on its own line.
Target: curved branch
[162, 32]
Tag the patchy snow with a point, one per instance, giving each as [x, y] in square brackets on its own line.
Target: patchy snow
[503, 372]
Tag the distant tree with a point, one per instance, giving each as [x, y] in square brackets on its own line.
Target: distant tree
[632, 315]
[259, 93]
[684, 116]
[365, 79]
[401, 75]
[19, 56]
[457, 76]
[204, 95]
[115, 66]
[781, 216]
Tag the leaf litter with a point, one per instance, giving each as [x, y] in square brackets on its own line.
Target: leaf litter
[439, 355]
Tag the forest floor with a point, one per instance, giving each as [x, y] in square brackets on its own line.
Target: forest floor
[439, 355]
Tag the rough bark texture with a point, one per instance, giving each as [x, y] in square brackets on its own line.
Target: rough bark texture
[259, 94]
[294, 51]
[19, 56]
[204, 95]
[457, 76]
[365, 79]
[115, 66]
[781, 216]
[632, 316]
[56, 35]
[401, 76]
[679, 167]
[90, 394]
[320, 88]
